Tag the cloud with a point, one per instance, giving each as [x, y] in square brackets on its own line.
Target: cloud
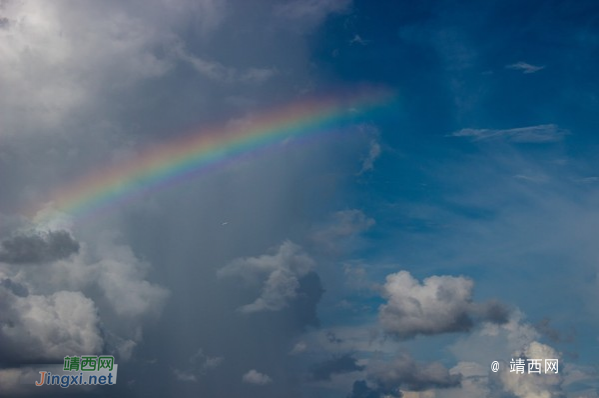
[514, 339]
[374, 152]
[357, 39]
[341, 229]
[402, 373]
[44, 45]
[525, 67]
[205, 362]
[199, 365]
[543, 133]
[226, 74]
[38, 327]
[534, 386]
[255, 377]
[298, 348]
[338, 365]
[184, 376]
[360, 389]
[556, 336]
[97, 299]
[36, 248]
[311, 12]
[278, 273]
[441, 304]
[405, 373]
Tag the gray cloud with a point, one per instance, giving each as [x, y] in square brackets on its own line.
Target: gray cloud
[338, 365]
[405, 373]
[94, 301]
[441, 304]
[543, 133]
[402, 373]
[278, 273]
[40, 247]
[47, 327]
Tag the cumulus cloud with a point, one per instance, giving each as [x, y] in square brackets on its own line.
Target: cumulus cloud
[525, 67]
[338, 365]
[534, 385]
[514, 339]
[278, 273]
[441, 304]
[255, 377]
[543, 133]
[97, 299]
[40, 247]
[38, 327]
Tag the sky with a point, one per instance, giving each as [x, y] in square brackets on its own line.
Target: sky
[300, 198]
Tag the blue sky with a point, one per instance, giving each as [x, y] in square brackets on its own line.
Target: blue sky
[396, 257]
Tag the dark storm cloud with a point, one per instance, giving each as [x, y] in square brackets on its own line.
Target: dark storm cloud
[38, 248]
[343, 364]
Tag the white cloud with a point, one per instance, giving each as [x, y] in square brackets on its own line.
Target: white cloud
[440, 304]
[278, 273]
[514, 339]
[525, 67]
[534, 386]
[255, 377]
[533, 134]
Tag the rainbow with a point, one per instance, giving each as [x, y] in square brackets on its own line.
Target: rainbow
[188, 155]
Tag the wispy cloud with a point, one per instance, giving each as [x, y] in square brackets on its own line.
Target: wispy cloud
[373, 154]
[533, 134]
[357, 39]
[525, 67]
